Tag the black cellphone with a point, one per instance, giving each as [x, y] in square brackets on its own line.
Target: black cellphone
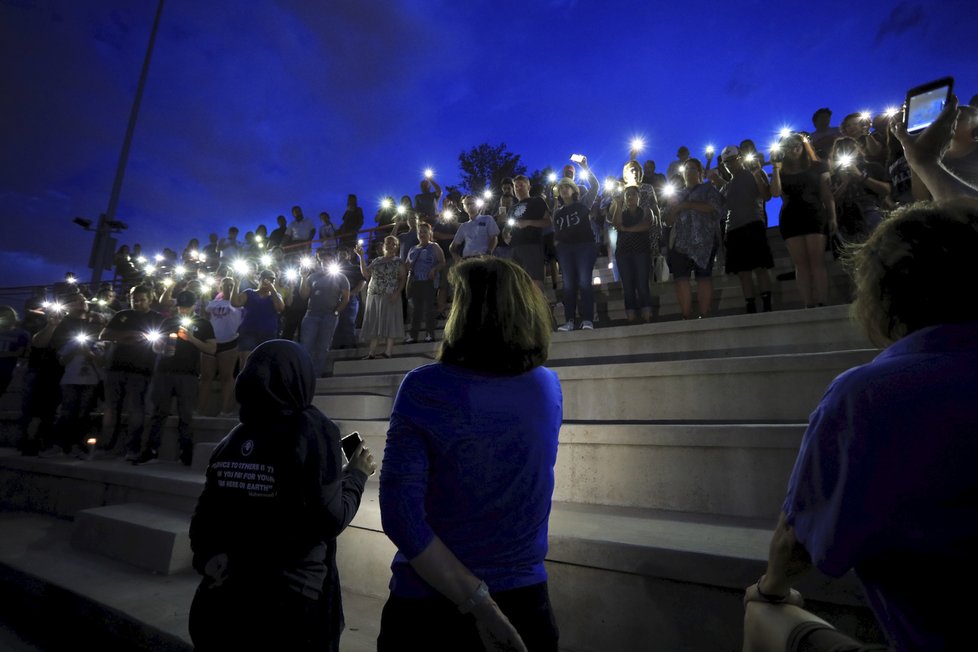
[350, 443]
[925, 102]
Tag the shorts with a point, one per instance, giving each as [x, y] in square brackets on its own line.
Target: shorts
[818, 637]
[250, 341]
[793, 224]
[747, 249]
[227, 346]
[681, 265]
[530, 258]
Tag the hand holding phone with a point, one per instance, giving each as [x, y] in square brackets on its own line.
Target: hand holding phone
[925, 102]
[350, 443]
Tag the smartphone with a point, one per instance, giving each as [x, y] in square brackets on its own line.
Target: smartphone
[577, 158]
[350, 444]
[925, 102]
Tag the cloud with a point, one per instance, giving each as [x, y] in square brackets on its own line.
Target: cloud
[903, 18]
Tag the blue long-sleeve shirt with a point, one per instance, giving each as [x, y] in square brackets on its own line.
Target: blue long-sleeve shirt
[470, 458]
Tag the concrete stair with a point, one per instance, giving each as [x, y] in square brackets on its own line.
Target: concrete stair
[674, 455]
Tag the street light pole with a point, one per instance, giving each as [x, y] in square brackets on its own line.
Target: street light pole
[104, 243]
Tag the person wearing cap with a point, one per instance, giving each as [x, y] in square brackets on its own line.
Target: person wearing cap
[262, 308]
[184, 337]
[576, 251]
[748, 252]
[129, 369]
[328, 293]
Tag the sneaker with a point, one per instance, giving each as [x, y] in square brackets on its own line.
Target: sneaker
[409, 340]
[569, 326]
[187, 456]
[429, 338]
[587, 326]
[148, 456]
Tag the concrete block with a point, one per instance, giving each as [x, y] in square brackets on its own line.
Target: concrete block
[399, 363]
[143, 535]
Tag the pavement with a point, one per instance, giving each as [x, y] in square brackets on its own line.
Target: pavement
[56, 597]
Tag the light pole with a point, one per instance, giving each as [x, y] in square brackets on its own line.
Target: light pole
[104, 243]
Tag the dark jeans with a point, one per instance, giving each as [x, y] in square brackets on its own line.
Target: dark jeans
[77, 403]
[423, 306]
[434, 624]
[40, 398]
[126, 392]
[166, 386]
[576, 267]
[345, 334]
[634, 271]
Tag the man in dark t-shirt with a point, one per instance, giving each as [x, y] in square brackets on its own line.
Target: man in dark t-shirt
[528, 217]
[131, 361]
[184, 337]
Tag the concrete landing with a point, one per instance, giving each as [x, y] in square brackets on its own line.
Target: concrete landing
[111, 605]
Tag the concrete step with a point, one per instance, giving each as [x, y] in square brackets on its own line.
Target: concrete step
[146, 536]
[347, 367]
[354, 405]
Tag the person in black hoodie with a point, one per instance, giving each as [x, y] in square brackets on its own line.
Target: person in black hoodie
[276, 497]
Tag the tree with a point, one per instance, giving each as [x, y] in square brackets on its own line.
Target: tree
[486, 166]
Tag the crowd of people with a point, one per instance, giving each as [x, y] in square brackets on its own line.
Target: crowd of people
[868, 492]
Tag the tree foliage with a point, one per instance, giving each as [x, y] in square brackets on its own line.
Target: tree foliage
[485, 166]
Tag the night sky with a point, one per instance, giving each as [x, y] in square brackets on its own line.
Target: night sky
[254, 106]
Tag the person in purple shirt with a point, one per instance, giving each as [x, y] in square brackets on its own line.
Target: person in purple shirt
[468, 475]
[885, 480]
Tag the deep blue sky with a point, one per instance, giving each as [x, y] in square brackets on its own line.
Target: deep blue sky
[254, 106]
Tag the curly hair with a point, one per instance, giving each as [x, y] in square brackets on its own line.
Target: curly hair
[917, 269]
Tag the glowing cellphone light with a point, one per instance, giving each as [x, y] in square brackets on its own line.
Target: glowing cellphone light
[91, 441]
[511, 222]
[195, 254]
[333, 268]
[749, 157]
[202, 257]
[159, 258]
[682, 168]
[709, 150]
[487, 195]
[258, 238]
[240, 266]
[291, 274]
[206, 283]
[153, 336]
[611, 265]
[45, 304]
[167, 282]
[141, 260]
[668, 190]
[428, 173]
[865, 115]
[305, 262]
[785, 132]
[479, 203]
[845, 160]
[56, 307]
[180, 270]
[401, 210]
[360, 242]
[385, 203]
[638, 144]
[596, 280]
[891, 111]
[448, 214]
[150, 269]
[186, 322]
[81, 338]
[552, 177]
[266, 260]
[70, 279]
[102, 302]
[609, 186]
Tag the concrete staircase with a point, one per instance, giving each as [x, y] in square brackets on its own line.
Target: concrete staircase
[674, 456]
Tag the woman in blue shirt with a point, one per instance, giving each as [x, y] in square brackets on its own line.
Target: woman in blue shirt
[468, 474]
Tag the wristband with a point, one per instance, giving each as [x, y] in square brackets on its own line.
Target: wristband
[480, 595]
